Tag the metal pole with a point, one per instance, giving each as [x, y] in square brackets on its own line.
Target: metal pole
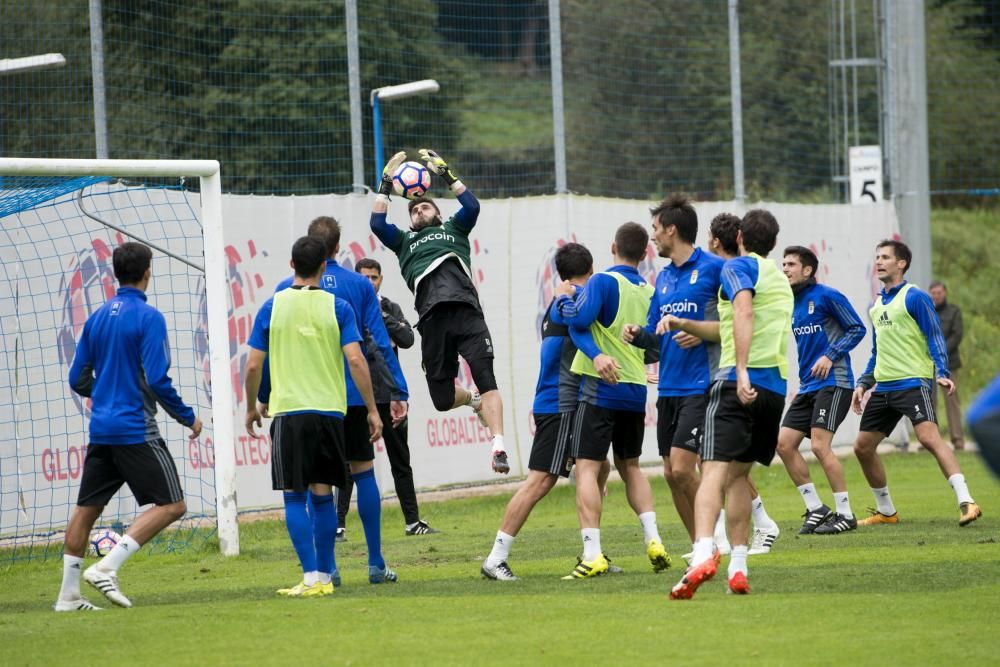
[377, 132]
[908, 91]
[558, 108]
[97, 74]
[736, 97]
[354, 91]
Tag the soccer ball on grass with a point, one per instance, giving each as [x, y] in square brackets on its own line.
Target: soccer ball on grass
[103, 540]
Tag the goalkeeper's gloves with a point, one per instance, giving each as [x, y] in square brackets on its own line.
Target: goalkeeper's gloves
[437, 164]
[385, 185]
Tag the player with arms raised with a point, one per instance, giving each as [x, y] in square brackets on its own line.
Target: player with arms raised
[434, 257]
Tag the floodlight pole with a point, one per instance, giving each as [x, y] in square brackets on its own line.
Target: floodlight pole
[389, 93]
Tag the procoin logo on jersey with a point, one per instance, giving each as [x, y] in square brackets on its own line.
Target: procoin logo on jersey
[807, 329]
[436, 236]
[681, 307]
[694, 276]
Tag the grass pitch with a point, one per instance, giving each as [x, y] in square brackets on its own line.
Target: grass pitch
[923, 592]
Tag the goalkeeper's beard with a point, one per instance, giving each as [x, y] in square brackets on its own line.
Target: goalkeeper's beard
[421, 222]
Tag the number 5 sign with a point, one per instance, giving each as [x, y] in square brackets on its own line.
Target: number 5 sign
[866, 174]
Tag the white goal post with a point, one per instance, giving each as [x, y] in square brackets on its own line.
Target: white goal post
[216, 294]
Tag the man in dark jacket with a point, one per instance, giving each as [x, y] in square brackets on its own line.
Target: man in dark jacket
[951, 327]
[395, 437]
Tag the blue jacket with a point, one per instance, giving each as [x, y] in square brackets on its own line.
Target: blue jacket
[824, 324]
[121, 364]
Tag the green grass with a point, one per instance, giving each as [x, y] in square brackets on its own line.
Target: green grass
[922, 592]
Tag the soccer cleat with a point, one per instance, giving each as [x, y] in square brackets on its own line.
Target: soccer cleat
[763, 540]
[877, 517]
[107, 584]
[421, 528]
[293, 592]
[381, 575]
[585, 570]
[836, 523]
[738, 584]
[335, 578]
[658, 556]
[499, 572]
[692, 579]
[500, 464]
[317, 590]
[79, 604]
[612, 568]
[476, 402]
[970, 512]
[814, 519]
[341, 534]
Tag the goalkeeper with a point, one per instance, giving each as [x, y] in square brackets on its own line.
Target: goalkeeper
[434, 260]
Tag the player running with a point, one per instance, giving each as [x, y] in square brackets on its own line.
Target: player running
[907, 346]
[826, 329]
[434, 257]
[746, 400]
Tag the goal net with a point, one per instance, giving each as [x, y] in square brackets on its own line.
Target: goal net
[61, 221]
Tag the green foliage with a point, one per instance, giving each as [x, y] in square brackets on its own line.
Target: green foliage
[965, 261]
[878, 586]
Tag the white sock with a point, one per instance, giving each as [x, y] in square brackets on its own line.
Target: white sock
[738, 560]
[720, 529]
[121, 553]
[498, 444]
[843, 504]
[325, 577]
[760, 517]
[501, 549]
[591, 543]
[310, 578]
[702, 550]
[883, 502]
[649, 531]
[957, 482]
[72, 565]
[810, 497]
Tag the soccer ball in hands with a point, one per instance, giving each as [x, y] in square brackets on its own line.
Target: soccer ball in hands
[103, 541]
[411, 180]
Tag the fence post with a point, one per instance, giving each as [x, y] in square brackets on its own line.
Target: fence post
[354, 92]
[97, 75]
[558, 109]
[736, 100]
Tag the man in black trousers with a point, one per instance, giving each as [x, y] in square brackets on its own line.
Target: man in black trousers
[395, 438]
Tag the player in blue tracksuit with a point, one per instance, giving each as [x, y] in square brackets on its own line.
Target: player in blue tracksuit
[826, 328]
[686, 288]
[121, 364]
[612, 404]
[984, 422]
[357, 290]
[556, 396]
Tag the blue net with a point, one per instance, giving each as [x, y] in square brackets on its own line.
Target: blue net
[56, 240]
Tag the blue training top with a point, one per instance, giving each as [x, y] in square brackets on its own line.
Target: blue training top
[121, 364]
[921, 309]
[691, 291]
[599, 302]
[824, 324]
[558, 388]
[738, 274]
[261, 334]
[358, 292]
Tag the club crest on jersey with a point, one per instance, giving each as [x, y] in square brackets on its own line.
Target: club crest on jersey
[812, 307]
[694, 276]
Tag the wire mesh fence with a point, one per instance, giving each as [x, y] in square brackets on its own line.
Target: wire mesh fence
[263, 86]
